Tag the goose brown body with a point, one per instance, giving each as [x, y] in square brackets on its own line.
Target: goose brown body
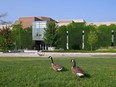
[56, 67]
[77, 70]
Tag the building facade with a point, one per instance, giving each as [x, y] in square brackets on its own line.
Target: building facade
[40, 23]
[66, 22]
[38, 29]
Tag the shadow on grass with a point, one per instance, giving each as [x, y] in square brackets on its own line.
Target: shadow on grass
[83, 77]
[64, 69]
[86, 76]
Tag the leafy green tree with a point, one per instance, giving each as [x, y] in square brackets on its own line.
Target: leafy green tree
[2, 21]
[22, 37]
[103, 32]
[92, 39]
[5, 38]
[27, 42]
[17, 34]
[51, 36]
[87, 30]
[75, 35]
[62, 37]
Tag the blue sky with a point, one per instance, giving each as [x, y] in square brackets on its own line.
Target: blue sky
[89, 10]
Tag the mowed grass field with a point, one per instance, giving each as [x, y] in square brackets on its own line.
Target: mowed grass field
[37, 72]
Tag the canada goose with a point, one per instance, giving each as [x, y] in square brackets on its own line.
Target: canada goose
[40, 53]
[56, 67]
[77, 70]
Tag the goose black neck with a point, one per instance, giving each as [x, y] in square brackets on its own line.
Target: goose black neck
[74, 64]
[52, 60]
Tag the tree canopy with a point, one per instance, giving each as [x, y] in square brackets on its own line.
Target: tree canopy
[51, 36]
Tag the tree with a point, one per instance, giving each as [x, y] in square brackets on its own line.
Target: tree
[92, 38]
[87, 30]
[26, 38]
[2, 21]
[75, 35]
[22, 37]
[17, 34]
[50, 36]
[62, 37]
[5, 38]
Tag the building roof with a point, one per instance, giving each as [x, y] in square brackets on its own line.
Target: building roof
[79, 20]
[45, 18]
[66, 22]
[27, 21]
[100, 23]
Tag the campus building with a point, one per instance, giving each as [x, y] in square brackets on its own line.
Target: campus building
[38, 31]
[66, 22]
[40, 23]
[38, 34]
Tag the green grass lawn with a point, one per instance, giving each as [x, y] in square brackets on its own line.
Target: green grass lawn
[37, 72]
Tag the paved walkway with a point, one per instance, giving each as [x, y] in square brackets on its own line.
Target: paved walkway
[57, 54]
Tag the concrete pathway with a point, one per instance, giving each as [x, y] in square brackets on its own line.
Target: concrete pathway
[57, 54]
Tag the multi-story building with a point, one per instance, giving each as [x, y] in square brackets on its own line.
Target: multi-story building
[66, 22]
[40, 23]
[38, 31]
[38, 34]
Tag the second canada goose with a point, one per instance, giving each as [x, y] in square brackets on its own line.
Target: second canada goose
[56, 67]
[77, 70]
[40, 53]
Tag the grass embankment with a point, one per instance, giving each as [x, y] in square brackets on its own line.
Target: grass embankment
[37, 72]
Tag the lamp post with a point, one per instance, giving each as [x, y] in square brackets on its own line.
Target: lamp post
[83, 39]
[67, 47]
[112, 43]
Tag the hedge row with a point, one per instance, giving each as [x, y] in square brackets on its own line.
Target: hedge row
[103, 33]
